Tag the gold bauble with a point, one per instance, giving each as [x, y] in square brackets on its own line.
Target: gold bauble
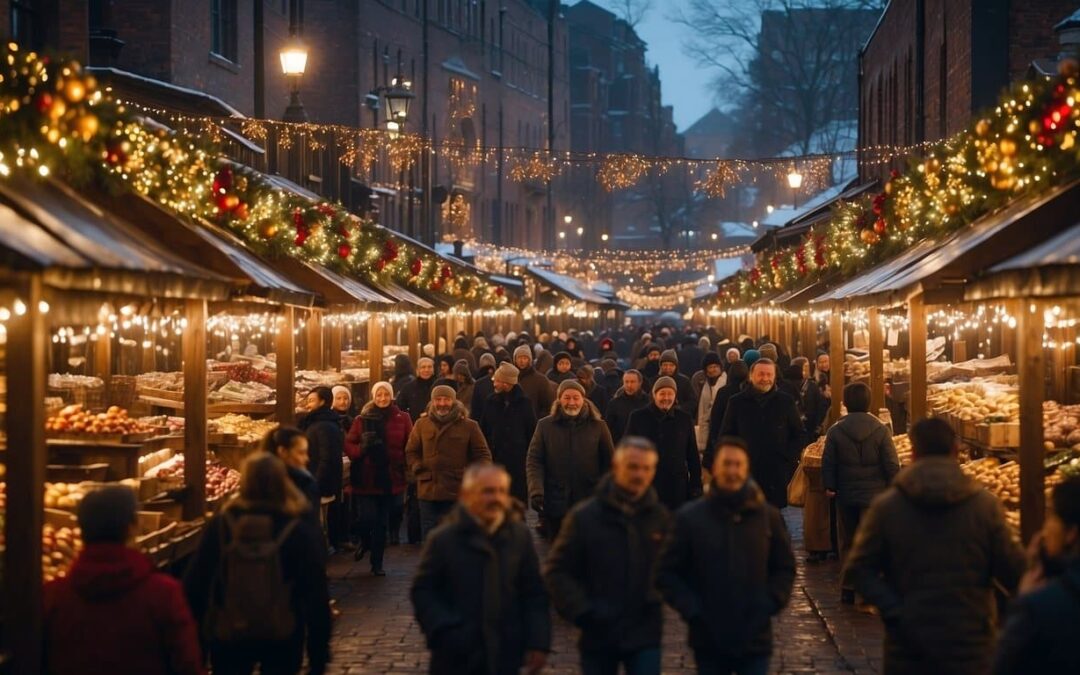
[888, 188]
[231, 202]
[1007, 147]
[933, 165]
[982, 127]
[74, 90]
[87, 126]
[267, 229]
[57, 109]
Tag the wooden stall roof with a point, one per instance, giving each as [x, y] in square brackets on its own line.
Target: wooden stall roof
[211, 247]
[412, 297]
[1050, 269]
[792, 232]
[867, 280]
[1022, 224]
[337, 291]
[567, 286]
[80, 246]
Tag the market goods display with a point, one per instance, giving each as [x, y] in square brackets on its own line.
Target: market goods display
[309, 379]
[243, 392]
[247, 430]
[66, 496]
[59, 547]
[173, 425]
[67, 381]
[172, 381]
[73, 419]
[1002, 480]
[903, 448]
[220, 480]
[1061, 426]
[978, 401]
[244, 372]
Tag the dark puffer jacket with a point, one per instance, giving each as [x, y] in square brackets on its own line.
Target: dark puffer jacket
[600, 570]
[860, 459]
[928, 553]
[567, 457]
[1043, 629]
[508, 423]
[538, 389]
[728, 568]
[678, 471]
[326, 445]
[415, 396]
[716, 416]
[770, 425]
[479, 598]
[619, 409]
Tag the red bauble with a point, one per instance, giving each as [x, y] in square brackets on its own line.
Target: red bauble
[380, 264]
[500, 291]
[44, 102]
[446, 272]
[344, 250]
[436, 285]
[416, 266]
[223, 181]
[880, 225]
[344, 231]
[241, 211]
[390, 250]
[298, 218]
[301, 237]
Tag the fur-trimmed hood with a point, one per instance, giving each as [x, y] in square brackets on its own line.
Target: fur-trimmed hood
[559, 415]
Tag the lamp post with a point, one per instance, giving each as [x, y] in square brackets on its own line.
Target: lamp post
[794, 181]
[293, 64]
[568, 220]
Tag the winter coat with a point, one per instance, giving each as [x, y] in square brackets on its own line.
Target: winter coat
[685, 395]
[727, 569]
[598, 395]
[305, 483]
[928, 553]
[438, 452]
[690, 358]
[770, 425]
[465, 395]
[619, 409]
[716, 417]
[859, 460]
[479, 598]
[558, 378]
[326, 445]
[462, 353]
[611, 380]
[303, 568]
[650, 370]
[114, 613]
[601, 568]
[1043, 629]
[567, 456]
[538, 389]
[678, 471]
[378, 460]
[483, 388]
[812, 406]
[508, 423]
[415, 396]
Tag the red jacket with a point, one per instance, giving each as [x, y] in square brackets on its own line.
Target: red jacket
[363, 477]
[115, 614]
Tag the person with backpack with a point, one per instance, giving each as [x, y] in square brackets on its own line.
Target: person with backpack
[114, 612]
[257, 583]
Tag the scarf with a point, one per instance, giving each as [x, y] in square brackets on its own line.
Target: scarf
[452, 416]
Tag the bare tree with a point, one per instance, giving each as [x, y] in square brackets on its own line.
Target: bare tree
[630, 11]
[793, 63]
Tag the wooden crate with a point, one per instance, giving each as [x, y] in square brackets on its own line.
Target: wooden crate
[999, 435]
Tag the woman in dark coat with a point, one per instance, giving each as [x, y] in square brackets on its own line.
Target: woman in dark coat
[376, 446]
[267, 500]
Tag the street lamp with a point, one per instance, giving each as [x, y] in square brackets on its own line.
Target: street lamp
[794, 181]
[604, 237]
[293, 64]
[580, 231]
[399, 97]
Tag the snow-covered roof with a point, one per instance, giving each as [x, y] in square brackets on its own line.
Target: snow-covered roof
[569, 286]
[725, 267]
[784, 214]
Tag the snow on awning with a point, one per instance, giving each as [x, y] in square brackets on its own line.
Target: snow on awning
[568, 286]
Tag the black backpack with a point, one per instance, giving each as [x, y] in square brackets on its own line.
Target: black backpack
[250, 599]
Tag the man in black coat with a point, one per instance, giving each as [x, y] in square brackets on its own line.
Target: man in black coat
[478, 593]
[508, 422]
[737, 374]
[326, 441]
[631, 397]
[611, 376]
[483, 387]
[594, 391]
[728, 568]
[671, 430]
[415, 396]
[686, 397]
[600, 570]
[691, 353]
[769, 423]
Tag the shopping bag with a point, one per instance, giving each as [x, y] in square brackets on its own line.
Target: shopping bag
[798, 487]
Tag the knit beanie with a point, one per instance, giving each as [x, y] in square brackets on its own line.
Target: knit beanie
[664, 382]
[346, 390]
[562, 356]
[424, 359]
[523, 350]
[585, 371]
[669, 356]
[609, 365]
[704, 343]
[712, 358]
[506, 373]
[768, 351]
[487, 360]
[750, 356]
[382, 385]
[571, 384]
[461, 367]
[443, 390]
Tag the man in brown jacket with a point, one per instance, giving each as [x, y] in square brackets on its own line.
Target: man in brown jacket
[442, 443]
[927, 554]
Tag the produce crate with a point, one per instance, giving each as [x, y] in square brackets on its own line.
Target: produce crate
[170, 509]
[76, 473]
[59, 518]
[999, 434]
[151, 392]
[968, 429]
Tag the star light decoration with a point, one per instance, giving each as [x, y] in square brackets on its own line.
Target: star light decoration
[1027, 144]
[55, 118]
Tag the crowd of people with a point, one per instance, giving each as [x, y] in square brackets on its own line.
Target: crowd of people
[657, 464]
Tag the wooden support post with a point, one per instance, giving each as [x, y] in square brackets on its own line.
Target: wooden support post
[334, 345]
[103, 363]
[195, 415]
[314, 340]
[25, 458]
[413, 331]
[1058, 364]
[877, 362]
[1031, 367]
[959, 351]
[917, 352]
[836, 362]
[286, 368]
[375, 348]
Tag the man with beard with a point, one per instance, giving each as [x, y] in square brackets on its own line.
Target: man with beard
[685, 398]
[602, 579]
[508, 422]
[671, 430]
[537, 387]
[414, 397]
[570, 450]
[769, 422]
[650, 369]
[626, 400]
[478, 593]
[441, 445]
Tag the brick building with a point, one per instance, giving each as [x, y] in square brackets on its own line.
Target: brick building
[931, 65]
[479, 68]
[616, 107]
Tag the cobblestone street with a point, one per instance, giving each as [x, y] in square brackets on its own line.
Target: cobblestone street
[376, 632]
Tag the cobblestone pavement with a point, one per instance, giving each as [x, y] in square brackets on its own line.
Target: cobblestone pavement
[376, 632]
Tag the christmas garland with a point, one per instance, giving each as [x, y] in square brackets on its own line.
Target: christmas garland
[1026, 145]
[55, 119]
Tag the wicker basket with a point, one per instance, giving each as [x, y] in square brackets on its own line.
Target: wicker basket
[91, 398]
[122, 391]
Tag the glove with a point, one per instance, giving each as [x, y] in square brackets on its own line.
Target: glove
[537, 503]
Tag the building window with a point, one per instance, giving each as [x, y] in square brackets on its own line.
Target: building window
[223, 28]
[25, 24]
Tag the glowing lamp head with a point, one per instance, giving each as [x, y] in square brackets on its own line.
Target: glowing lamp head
[398, 99]
[294, 57]
[794, 179]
